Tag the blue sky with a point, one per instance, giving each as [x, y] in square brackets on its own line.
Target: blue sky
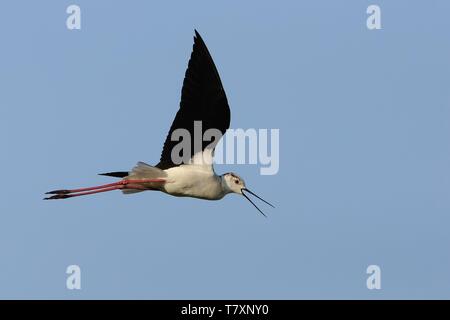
[364, 119]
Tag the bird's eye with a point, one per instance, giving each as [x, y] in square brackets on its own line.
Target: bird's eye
[236, 181]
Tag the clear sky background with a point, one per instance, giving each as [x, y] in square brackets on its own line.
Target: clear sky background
[364, 119]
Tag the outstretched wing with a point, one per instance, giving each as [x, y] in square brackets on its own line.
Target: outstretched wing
[202, 99]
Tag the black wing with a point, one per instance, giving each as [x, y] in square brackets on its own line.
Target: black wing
[202, 99]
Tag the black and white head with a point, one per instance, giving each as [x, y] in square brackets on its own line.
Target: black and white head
[235, 184]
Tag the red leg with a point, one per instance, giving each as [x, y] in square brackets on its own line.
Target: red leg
[119, 183]
[128, 184]
[136, 186]
[65, 196]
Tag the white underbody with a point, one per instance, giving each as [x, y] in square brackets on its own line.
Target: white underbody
[196, 181]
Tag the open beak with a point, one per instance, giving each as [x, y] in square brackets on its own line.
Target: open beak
[245, 189]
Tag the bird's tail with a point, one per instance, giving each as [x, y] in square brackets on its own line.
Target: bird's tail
[143, 171]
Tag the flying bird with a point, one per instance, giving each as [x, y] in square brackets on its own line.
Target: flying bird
[203, 100]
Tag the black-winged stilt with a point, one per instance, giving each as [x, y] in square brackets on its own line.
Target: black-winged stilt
[203, 100]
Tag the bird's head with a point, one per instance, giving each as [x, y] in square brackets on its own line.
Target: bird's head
[235, 184]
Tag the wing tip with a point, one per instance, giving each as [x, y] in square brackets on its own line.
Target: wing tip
[198, 37]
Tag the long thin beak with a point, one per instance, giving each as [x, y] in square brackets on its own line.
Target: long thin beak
[252, 193]
[245, 189]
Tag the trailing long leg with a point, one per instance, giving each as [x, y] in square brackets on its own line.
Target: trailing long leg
[123, 184]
